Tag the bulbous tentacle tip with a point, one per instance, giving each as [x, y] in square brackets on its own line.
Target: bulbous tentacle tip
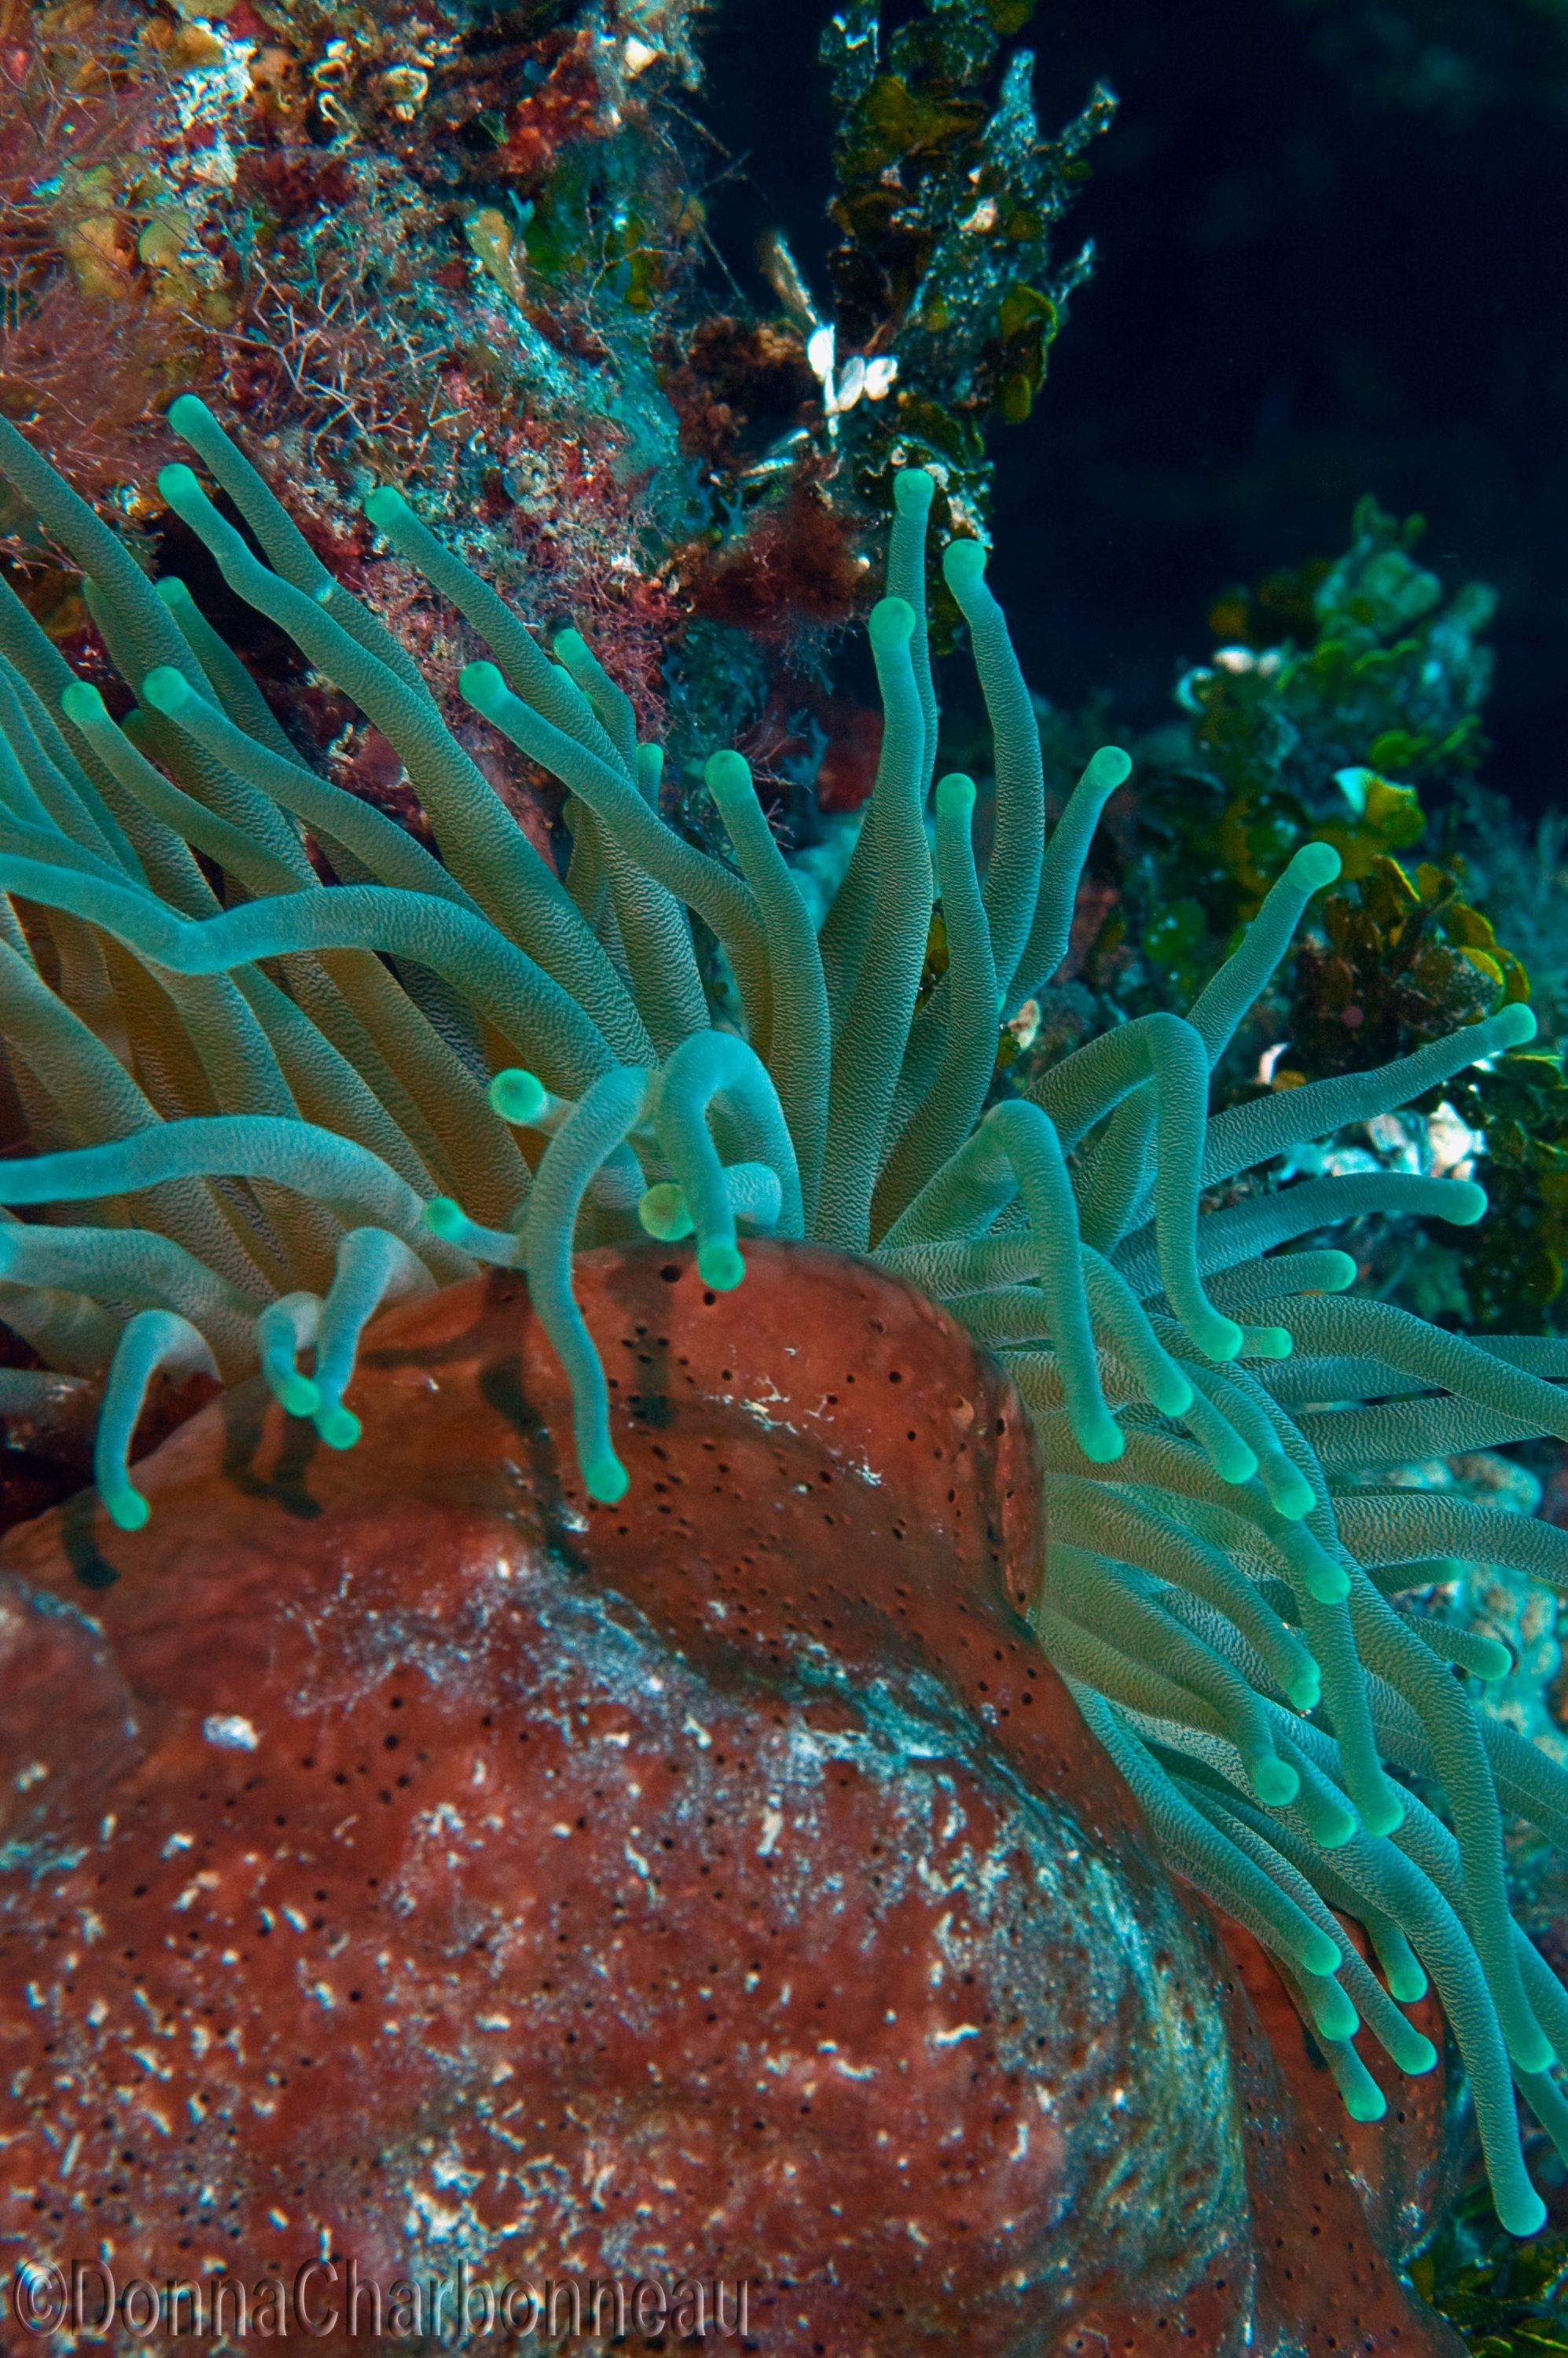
[188, 416]
[963, 566]
[1320, 1954]
[1530, 2049]
[127, 1508]
[728, 776]
[574, 653]
[1273, 1781]
[1421, 2057]
[1467, 1203]
[443, 1217]
[296, 1395]
[1306, 1691]
[1522, 2213]
[1217, 1337]
[384, 507]
[1492, 1659]
[1264, 1343]
[719, 1265]
[1335, 1828]
[165, 689]
[1291, 1495]
[173, 591]
[664, 1213]
[1364, 2101]
[1515, 1026]
[1101, 1439]
[179, 486]
[1313, 866]
[914, 488]
[338, 1427]
[1407, 1981]
[891, 624]
[1383, 1812]
[1340, 1272]
[1337, 2016]
[82, 702]
[954, 796]
[605, 1479]
[1109, 768]
[518, 1096]
[482, 685]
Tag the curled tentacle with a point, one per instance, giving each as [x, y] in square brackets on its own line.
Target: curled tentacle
[154, 1341]
[598, 1124]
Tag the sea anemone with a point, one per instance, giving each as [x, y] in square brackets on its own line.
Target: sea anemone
[292, 1103]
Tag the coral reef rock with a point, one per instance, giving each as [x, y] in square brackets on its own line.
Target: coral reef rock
[408, 1863]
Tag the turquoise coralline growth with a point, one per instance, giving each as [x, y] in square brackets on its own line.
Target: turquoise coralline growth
[289, 1103]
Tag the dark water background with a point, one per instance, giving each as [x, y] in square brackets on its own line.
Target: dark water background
[1333, 241]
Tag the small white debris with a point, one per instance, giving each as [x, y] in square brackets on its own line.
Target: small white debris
[773, 1826]
[1025, 1026]
[851, 383]
[229, 1732]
